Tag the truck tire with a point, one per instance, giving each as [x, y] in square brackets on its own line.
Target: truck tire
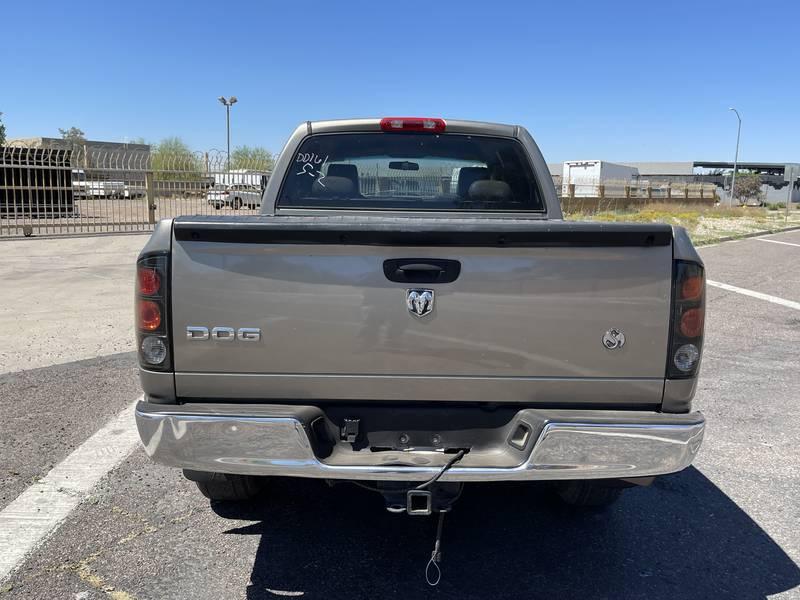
[588, 493]
[227, 488]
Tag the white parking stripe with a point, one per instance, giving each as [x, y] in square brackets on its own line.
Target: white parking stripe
[752, 294]
[39, 510]
[776, 242]
[750, 237]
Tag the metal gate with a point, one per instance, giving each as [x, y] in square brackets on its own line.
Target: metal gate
[48, 191]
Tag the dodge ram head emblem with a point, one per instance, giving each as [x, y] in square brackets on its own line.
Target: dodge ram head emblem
[613, 339]
[419, 302]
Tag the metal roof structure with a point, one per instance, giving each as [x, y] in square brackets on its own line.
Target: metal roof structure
[761, 167]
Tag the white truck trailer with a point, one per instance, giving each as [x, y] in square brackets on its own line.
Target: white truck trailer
[241, 177]
[587, 175]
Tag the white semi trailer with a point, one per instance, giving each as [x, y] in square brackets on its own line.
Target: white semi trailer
[587, 175]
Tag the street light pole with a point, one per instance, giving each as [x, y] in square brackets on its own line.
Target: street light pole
[228, 127]
[736, 157]
[228, 102]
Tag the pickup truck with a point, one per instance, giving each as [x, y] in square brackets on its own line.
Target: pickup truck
[237, 196]
[410, 311]
[83, 188]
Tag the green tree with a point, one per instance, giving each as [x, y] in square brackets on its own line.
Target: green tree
[748, 186]
[172, 159]
[73, 134]
[255, 158]
[2, 131]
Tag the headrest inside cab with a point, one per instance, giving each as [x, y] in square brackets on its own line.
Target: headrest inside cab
[333, 186]
[490, 191]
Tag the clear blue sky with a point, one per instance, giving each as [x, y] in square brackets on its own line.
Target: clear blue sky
[617, 81]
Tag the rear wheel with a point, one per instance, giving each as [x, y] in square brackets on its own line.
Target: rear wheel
[588, 493]
[237, 203]
[225, 487]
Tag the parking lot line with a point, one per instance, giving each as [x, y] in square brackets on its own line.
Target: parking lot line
[777, 242]
[753, 294]
[38, 511]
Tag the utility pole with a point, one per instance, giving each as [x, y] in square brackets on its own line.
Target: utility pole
[736, 157]
[790, 173]
[228, 102]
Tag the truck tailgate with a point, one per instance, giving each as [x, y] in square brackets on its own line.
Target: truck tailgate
[523, 322]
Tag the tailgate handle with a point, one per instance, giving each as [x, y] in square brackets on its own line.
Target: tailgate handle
[421, 270]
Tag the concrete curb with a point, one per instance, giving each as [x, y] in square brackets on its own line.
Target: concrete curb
[743, 236]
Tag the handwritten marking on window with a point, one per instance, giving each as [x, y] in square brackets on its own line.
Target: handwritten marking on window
[310, 157]
[311, 162]
[308, 169]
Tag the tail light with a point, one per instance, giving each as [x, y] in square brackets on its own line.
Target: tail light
[149, 315]
[688, 317]
[148, 280]
[425, 124]
[152, 322]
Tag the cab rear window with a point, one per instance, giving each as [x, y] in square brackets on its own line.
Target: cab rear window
[411, 171]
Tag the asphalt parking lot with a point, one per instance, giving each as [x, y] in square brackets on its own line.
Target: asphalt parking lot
[728, 527]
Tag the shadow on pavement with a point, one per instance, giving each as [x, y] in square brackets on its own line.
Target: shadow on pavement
[680, 538]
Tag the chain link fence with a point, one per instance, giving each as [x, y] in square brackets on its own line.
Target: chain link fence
[49, 191]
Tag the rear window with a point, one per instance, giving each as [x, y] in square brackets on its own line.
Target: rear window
[411, 171]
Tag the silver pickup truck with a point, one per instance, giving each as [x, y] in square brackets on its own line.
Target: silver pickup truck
[411, 312]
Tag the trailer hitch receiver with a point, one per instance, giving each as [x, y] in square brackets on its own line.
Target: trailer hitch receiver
[419, 502]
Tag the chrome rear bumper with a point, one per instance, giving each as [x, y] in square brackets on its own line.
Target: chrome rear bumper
[277, 440]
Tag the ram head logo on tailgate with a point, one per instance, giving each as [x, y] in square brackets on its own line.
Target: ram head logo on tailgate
[419, 302]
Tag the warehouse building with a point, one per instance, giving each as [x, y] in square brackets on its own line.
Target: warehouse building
[774, 180]
[774, 184]
[92, 153]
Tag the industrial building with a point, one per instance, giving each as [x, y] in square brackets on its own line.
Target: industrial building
[92, 153]
[773, 180]
[774, 183]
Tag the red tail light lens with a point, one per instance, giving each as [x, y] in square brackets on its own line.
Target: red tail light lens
[152, 312]
[149, 315]
[426, 124]
[149, 281]
[688, 306]
[692, 323]
[692, 287]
